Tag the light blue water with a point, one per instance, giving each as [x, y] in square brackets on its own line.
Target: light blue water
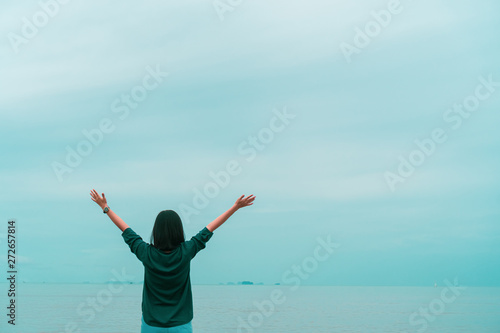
[68, 308]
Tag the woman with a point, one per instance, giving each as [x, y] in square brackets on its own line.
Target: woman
[167, 302]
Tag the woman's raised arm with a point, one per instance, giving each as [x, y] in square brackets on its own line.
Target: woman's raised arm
[103, 203]
[240, 203]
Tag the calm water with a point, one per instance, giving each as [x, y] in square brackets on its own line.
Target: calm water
[97, 308]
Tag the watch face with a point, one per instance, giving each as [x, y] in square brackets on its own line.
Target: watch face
[106, 209]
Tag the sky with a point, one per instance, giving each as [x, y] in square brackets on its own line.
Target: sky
[367, 130]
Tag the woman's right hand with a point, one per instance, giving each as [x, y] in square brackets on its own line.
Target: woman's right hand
[244, 202]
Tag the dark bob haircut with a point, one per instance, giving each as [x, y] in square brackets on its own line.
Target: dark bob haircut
[168, 232]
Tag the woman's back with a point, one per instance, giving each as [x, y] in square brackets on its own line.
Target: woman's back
[167, 298]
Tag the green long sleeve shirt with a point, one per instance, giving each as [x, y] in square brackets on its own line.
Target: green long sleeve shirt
[167, 300]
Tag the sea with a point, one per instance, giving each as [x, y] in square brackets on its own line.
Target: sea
[116, 308]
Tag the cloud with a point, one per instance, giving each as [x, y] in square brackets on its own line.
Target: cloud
[353, 121]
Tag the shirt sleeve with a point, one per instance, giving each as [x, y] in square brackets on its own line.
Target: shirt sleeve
[136, 244]
[197, 243]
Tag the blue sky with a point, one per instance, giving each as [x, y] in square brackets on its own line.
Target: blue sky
[324, 173]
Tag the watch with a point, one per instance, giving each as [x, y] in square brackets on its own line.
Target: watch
[106, 209]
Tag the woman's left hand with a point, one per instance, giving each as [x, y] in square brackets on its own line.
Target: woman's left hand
[101, 201]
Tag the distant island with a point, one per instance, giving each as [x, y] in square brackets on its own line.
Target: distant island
[245, 283]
